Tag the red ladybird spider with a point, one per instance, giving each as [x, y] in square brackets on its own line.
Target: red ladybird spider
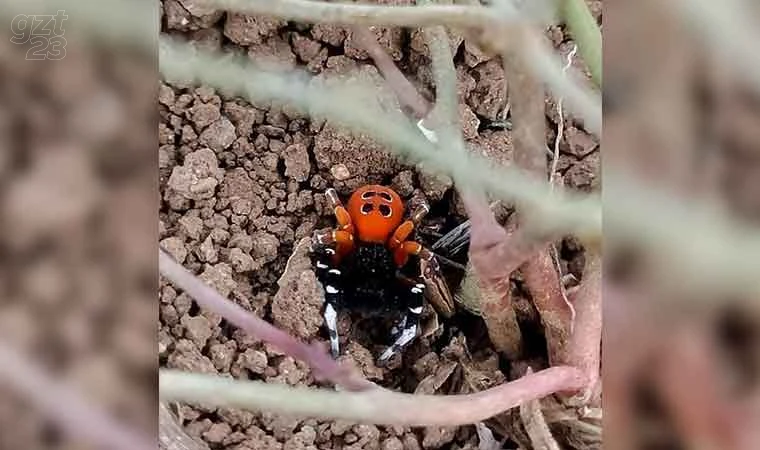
[367, 264]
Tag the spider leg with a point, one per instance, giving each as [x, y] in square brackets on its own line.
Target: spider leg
[440, 295]
[402, 232]
[341, 214]
[406, 330]
[331, 320]
[330, 277]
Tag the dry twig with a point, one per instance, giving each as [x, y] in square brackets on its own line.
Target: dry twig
[584, 346]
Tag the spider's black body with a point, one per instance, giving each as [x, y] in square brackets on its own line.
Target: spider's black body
[367, 281]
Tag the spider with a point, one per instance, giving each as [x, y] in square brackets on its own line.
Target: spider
[367, 264]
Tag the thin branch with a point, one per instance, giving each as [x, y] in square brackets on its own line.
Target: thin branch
[495, 302]
[313, 354]
[584, 346]
[65, 407]
[375, 406]
[494, 254]
[535, 425]
[490, 242]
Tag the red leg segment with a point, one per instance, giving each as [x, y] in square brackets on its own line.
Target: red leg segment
[402, 233]
[343, 237]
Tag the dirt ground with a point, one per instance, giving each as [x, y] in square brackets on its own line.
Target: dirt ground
[242, 184]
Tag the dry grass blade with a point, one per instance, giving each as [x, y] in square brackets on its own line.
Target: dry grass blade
[536, 427]
[546, 66]
[375, 406]
[315, 355]
[171, 436]
[687, 243]
[486, 441]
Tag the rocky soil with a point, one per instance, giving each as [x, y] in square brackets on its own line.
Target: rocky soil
[241, 185]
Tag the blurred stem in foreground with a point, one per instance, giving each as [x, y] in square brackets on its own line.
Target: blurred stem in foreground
[345, 13]
[65, 407]
[374, 406]
[586, 33]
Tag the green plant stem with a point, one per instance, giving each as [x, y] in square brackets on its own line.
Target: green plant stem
[586, 33]
[375, 406]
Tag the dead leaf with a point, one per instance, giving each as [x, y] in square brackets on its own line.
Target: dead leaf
[431, 383]
[486, 441]
[535, 424]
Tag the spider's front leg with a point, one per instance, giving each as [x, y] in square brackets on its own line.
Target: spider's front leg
[330, 247]
[330, 276]
[342, 238]
[406, 331]
[438, 292]
[413, 293]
